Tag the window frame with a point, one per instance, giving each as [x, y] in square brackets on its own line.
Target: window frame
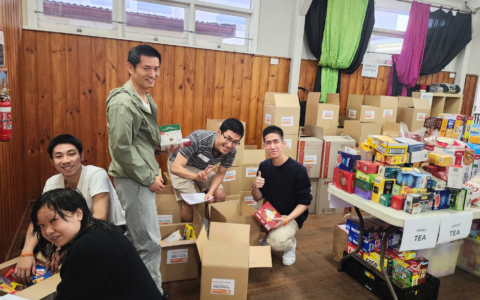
[32, 20]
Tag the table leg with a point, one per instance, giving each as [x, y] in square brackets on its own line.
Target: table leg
[390, 230]
[360, 240]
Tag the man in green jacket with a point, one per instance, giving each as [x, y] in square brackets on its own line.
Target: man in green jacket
[133, 138]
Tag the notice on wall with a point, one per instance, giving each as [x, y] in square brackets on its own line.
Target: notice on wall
[455, 226]
[370, 70]
[420, 233]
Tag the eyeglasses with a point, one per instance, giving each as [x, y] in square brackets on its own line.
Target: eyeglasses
[229, 140]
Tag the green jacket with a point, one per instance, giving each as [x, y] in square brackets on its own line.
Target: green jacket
[133, 136]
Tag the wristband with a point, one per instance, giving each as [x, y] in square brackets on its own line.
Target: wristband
[196, 177]
[286, 221]
[26, 254]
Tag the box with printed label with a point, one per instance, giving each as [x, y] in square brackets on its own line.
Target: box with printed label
[282, 110]
[375, 140]
[413, 111]
[313, 192]
[459, 157]
[441, 200]
[455, 177]
[331, 146]
[419, 156]
[392, 149]
[180, 258]
[231, 212]
[366, 155]
[214, 125]
[365, 177]
[413, 145]
[354, 105]
[310, 146]
[388, 107]
[373, 259]
[450, 126]
[367, 195]
[468, 198]
[468, 126]
[396, 160]
[366, 186]
[458, 128]
[382, 186]
[367, 167]
[397, 202]
[403, 275]
[388, 172]
[386, 199]
[351, 248]
[416, 203]
[418, 180]
[353, 224]
[433, 126]
[437, 184]
[363, 113]
[232, 181]
[397, 190]
[359, 131]
[323, 115]
[347, 161]
[246, 196]
[369, 245]
[408, 190]
[168, 208]
[226, 259]
[457, 199]
[251, 160]
[344, 180]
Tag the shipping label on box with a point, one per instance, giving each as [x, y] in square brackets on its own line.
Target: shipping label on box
[178, 256]
[352, 113]
[165, 219]
[268, 118]
[230, 175]
[251, 172]
[223, 287]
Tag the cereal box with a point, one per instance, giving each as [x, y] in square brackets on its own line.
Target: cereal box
[403, 275]
[266, 214]
[367, 167]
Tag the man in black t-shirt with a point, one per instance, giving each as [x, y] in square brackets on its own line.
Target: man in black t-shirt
[285, 184]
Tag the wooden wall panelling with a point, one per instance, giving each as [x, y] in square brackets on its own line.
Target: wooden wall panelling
[99, 104]
[264, 76]
[237, 84]
[219, 84]
[179, 91]
[209, 86]
[199, 88]
[228, 85]
[189, 97]
[301, 80]
[469, 93]
[254, 96]
[111, 70]
[466, 91]
[85, 97]
[246, 88]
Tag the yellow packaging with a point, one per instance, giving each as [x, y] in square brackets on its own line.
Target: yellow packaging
[373, 258]
[408, 190]
[380, 157]
[414, 169]
[443, 160]
[381, 186]
[457, 126]
[189, 233]
[432, 157]
[366, 146]
[409, 254]
[474, 139]
[396, 160]
[443, 129]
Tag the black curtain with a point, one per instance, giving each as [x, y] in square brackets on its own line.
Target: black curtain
[365, 38]
[314, 26]
[447, 35]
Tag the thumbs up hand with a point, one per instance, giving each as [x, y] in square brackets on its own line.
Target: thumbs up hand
[259, 181]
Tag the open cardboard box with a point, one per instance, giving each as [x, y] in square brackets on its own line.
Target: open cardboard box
[35, 292]
[231, 212]
[387, 105]
[232, 181]
[323, 115]
[167, 206]
[390, 129]
[180, 259]
[357, 111]
[310, 146]
[214, 125]
[413, 112]
[246, 196]
[226, 259]
[282, 110]
[359, 131]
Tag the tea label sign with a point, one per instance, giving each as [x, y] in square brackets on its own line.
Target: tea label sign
[420, 233]
[455, 226]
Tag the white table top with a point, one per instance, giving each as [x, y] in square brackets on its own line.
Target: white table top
[388, 214]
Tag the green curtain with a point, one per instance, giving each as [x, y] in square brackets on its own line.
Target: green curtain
[343, 30]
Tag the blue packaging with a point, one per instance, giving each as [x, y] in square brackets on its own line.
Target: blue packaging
[402, 177]
[369, 245]
[413, 146]
[354, 226]
[347, 161]
[475, 147]
[441, 200]
[418, 180]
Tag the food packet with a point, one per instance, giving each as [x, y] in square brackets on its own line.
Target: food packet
[189, 233]
[18, 286]
[40, 274]
[174, 237]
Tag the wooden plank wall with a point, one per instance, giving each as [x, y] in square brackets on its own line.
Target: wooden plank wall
[356, 84]
[72, 75]
[13, 181]
[469, 93]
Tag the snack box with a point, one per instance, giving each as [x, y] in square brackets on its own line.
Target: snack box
[440, 159]
[381, 186]
[346, 161]
[171, 135]
[369, 245]
[417, 157]
[366, 155]
[468, 127]
[455, 177]
[421, 265]
[416, 203]
[450, 127]
[402, 177]
[380, 157]
[430, 168]
[365, 146]
[351, 248]
[441, 200]
[375, 140]
[457, 199]
[388, 172]
[266, 214]
[397, 190]
[373, 258]
[367, 167]
[365, 177]
[440, 175]
[344, 180]
[408, 190]
[397, 202]
[386, 199]
[413, 145]
[392, 148]
[468, 198]
[354, 226]
[418, 180]
[367, 195]
[396, 160]
[395, 253]
[437, 184]
[364, 185]
[403, 275]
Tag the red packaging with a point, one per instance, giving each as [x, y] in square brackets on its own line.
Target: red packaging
[443, 169]
[380, 164]
[397, 202]
[429, 147]
[344, 180]
[351, 247]
[440, 175]
[367, 167]
[266, 214]
[430, 169]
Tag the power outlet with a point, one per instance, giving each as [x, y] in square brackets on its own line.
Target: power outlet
[274, 61]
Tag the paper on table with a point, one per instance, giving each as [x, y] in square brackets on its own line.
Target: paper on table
[420, 233]
[336, 202]
[194, 198]
[455, 227]
[12, 297]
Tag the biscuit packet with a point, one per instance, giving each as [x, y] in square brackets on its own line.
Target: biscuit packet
[174, 237]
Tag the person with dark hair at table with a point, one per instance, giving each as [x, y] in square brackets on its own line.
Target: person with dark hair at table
[100, 262]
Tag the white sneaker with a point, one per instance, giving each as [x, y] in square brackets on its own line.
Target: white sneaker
[289, 257]
[263, 242]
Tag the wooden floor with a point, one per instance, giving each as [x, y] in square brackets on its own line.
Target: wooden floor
[314, 274]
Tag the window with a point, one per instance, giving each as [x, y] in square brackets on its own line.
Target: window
[226, 24]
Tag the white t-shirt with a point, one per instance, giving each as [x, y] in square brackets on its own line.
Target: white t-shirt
[93, 181]
[146, 105]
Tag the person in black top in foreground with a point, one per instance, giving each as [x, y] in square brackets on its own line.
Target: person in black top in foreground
[285, 184]
[100, 262]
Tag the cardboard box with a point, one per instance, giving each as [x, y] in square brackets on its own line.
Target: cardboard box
[310, 147]
[387, 105]
[231, 212]
[180, 259]
[226, 259]
[354, 105]
[392, 149]
[38, 291]
[314, 186]
[282, 110]
[322, 203]
[413, 111]
[331, 146]
[251, 161]
[419, 156]
[168, 208]
[214, 125]
[364, 113]
[340, 238]
[413, 145]
[232, 182]
[359, 131]
[246, 196]
[391, 129]
[323, 115]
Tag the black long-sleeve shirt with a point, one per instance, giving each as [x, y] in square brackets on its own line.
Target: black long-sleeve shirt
[286, 186]
[104, 265]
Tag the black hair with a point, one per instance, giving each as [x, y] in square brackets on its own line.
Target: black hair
[63, 201]
[234, 125]
[135, 54]
[272, 129]
[64, 139]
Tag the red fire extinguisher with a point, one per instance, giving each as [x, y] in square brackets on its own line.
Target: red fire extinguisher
[5, 118]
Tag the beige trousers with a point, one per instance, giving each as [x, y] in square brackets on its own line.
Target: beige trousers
[281, 239]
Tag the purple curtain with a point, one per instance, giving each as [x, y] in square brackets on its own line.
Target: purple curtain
[409, 62]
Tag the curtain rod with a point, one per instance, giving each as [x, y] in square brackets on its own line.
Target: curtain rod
[438, 6]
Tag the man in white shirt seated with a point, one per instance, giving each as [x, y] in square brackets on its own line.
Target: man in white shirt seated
[66, 153]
